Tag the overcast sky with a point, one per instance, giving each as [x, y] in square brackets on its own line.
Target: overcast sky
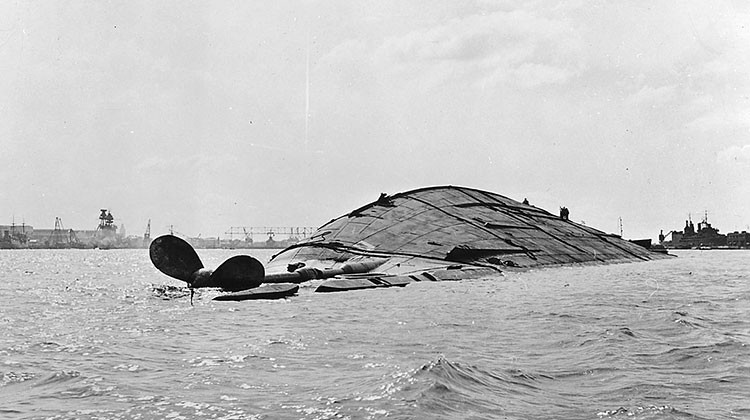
[207, 115]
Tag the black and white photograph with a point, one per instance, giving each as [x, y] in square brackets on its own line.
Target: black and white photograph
[345, 209]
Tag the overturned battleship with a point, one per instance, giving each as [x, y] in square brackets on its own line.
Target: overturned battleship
[428, 234]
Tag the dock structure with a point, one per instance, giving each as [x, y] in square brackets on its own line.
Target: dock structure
[243, 237]
[251, 233]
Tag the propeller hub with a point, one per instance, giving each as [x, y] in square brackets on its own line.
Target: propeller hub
[201, 278]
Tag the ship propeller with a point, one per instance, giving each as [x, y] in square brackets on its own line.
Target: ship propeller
[177, 259]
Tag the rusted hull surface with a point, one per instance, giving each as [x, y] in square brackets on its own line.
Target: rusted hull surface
[446, 227]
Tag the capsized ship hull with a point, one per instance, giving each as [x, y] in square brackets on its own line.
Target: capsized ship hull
[428, 234]
[447, 233]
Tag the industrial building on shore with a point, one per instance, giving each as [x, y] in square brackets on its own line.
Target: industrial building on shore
[104, 236]
[107, 235]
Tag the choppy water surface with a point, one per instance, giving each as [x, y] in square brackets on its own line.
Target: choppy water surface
[86, 335]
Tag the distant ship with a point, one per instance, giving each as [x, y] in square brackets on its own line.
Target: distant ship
[14, 237]
[704, 237]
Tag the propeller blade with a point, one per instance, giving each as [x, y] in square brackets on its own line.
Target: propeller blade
[240, 272]
[175, 257]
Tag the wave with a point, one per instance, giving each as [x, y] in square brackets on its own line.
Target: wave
[447, 388]
[58, 378]
[16, 377]
[722, 349]
[684, 318]
[649, 412]
[168, 292]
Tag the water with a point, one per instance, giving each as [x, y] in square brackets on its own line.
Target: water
[86, 335]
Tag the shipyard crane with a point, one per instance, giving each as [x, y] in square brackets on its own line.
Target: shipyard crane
[60, 237]
[248, 232]
[147, 235]
[663, 236]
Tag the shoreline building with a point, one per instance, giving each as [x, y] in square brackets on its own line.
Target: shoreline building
[738, 239]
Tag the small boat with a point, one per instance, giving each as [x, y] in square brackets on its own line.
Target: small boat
[442, 233]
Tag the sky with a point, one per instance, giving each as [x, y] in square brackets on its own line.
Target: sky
[203, 115]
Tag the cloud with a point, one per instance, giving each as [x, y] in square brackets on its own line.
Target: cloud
[479, 50]
[477, 37]
[722, 119]
[654, 96]
[527, 75]
[187, 164]
[734, 155]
